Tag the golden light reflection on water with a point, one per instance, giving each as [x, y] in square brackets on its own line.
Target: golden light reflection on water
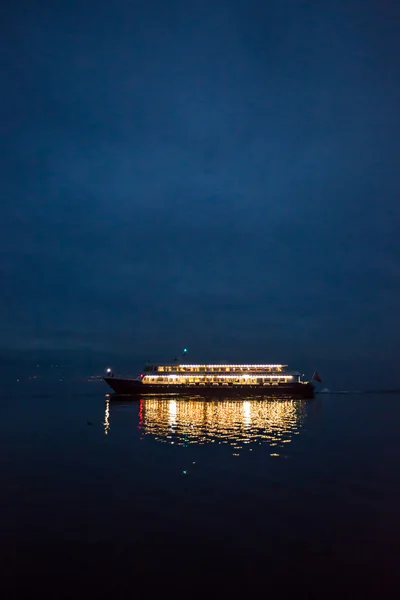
[107, 417]
[239, 423]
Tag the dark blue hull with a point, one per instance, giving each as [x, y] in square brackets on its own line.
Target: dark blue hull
[134, 387]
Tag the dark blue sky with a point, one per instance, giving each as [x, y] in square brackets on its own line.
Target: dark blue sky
[217, 175]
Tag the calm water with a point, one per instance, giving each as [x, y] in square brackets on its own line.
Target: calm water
[198, 496]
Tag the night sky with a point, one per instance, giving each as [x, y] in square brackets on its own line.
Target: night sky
[221, 175]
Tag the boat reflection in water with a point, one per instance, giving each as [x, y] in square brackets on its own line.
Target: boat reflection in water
[240, 423]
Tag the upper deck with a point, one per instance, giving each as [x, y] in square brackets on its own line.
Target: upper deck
[214, 368]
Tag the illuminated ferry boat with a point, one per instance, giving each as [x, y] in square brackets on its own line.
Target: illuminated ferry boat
[220, 379]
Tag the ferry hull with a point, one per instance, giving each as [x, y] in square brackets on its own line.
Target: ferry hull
[134, 387]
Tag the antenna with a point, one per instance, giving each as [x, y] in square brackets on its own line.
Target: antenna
[181, 356]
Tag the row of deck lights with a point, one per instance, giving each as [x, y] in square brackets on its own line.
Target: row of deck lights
[187, 375]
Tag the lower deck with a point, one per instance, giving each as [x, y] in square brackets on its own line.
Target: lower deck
[135, 386]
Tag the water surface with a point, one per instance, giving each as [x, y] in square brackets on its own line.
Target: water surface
[184, 494]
